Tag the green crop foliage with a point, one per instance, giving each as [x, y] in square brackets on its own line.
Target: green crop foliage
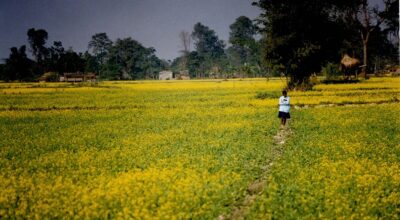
[190, 149]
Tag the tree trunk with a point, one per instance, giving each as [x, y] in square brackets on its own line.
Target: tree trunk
[365, 38]
[365, 58]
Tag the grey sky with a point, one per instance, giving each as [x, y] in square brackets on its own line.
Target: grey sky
[154, 23]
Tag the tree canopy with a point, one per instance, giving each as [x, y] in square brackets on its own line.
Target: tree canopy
[299, 37]
[18, 65]
[206, 41]
[37, 40]
[132, 60]
[100, 45]
[243, 51]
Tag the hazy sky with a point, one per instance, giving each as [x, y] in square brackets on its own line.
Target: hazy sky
[154, 23]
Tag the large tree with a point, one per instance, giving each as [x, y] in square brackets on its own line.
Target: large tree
[299, 36]
[210, 49]
[37, 40]
[129, 59]
[55, 53]
[243, 53]
[242, 39]
[100, 45]
[18, 66]
[371, 19]
[126, 54]
[206, 41]
[71, 62]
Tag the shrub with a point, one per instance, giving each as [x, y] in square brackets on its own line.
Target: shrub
[331, 71]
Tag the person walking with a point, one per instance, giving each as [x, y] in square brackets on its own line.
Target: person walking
[284, 108]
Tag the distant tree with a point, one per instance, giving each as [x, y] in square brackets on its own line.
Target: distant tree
[57, 49]
[242, 38]
[91, 62]
[18, 66]
[153, 65]
[195, 64]
[2, 71]
[70, 62]
[370, 20]
[100, 45]
[391, 18]
[176, 64]
[185, 39]
[110, 71]
[242, 31]
[184, 36]
[129, 59]
[37, 40]
[206, 41]
[210, 50]
[244, 52]
[125, 53]
[55, 53]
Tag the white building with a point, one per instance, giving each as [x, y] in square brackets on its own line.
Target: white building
[165, 75]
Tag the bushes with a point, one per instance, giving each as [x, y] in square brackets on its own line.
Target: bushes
[331, 71]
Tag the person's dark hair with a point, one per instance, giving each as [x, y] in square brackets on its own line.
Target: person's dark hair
[284, 92]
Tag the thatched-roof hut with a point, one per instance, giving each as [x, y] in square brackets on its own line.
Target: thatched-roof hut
[349, 66]
[348, 61]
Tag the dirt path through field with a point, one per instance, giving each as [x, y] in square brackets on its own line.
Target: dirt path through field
[256, 188]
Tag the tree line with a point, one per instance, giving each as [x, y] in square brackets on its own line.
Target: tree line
[291, 38]
[123, 59]
[127, 58]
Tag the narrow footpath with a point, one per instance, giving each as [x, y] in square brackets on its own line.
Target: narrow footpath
[256, 188]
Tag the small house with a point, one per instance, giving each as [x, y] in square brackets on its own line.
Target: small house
[78, 77]
[165, 75]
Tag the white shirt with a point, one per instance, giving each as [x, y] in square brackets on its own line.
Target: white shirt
[284, 104]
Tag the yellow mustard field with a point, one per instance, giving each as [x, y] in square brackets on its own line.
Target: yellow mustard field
[341, 163]
[190, 150]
